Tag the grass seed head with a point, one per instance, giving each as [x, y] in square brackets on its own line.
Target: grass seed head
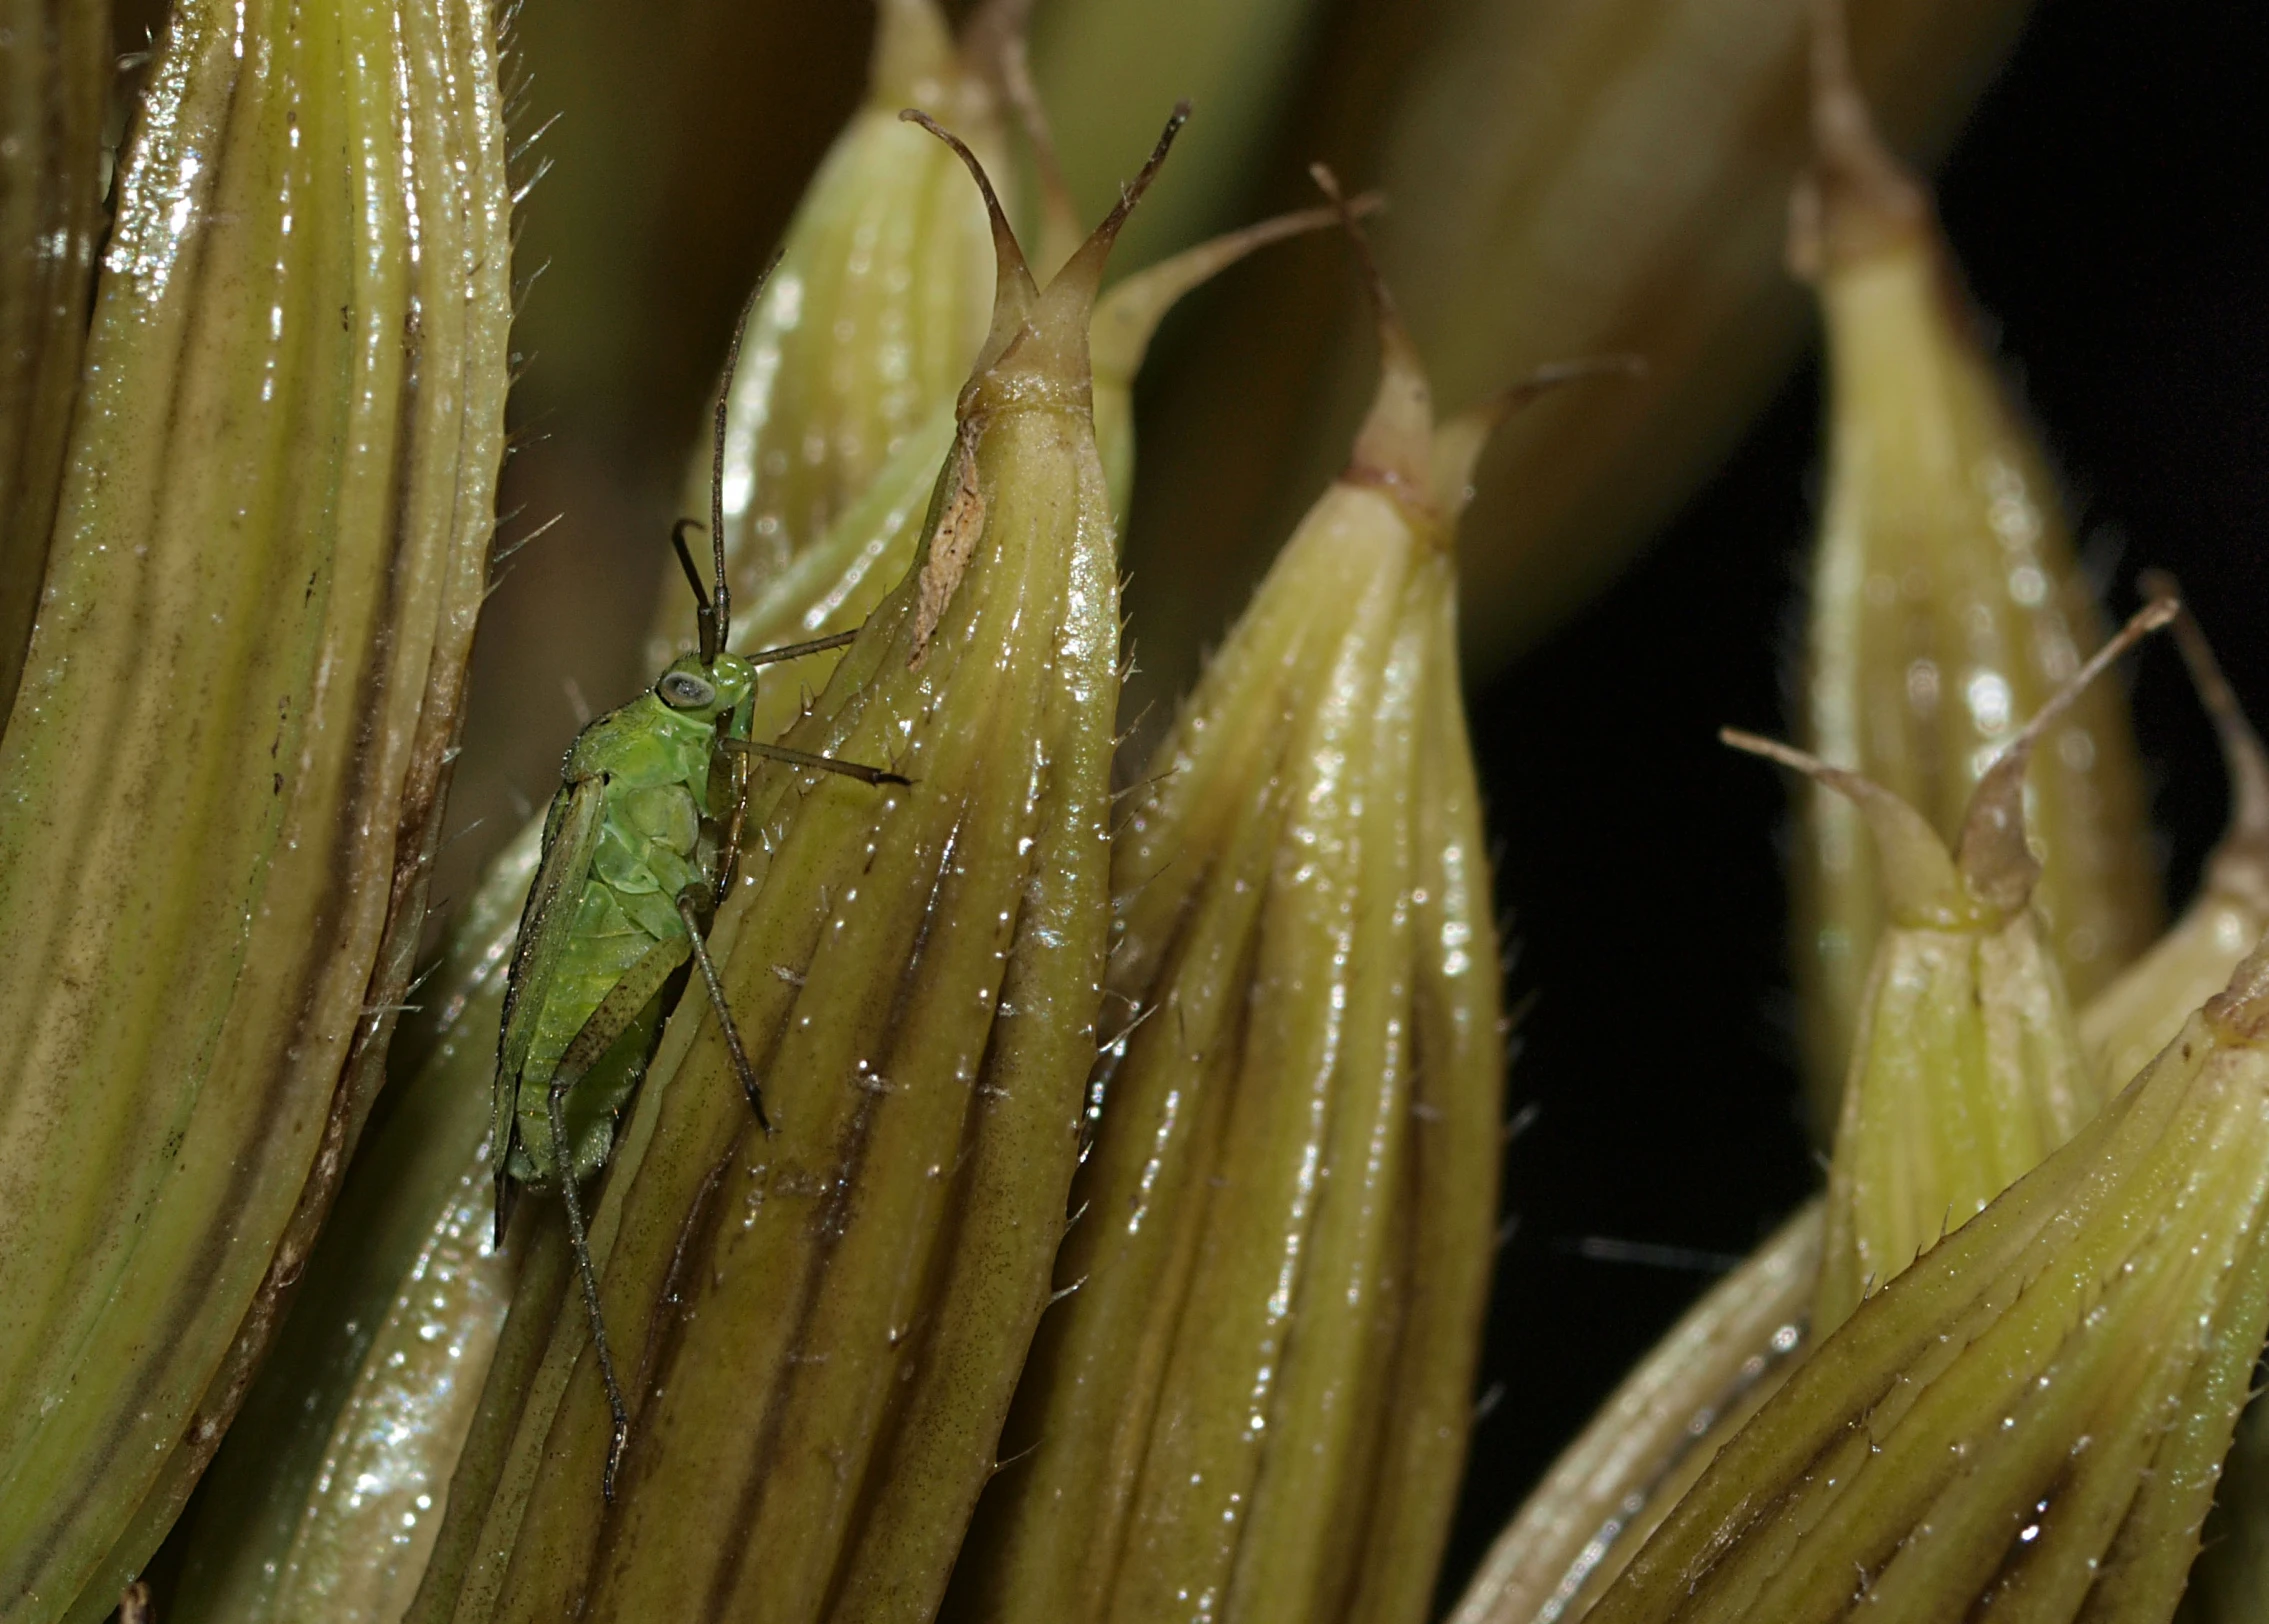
[1966, 1068]
[299, 1417]
[1946, 603]
[2036, 1411]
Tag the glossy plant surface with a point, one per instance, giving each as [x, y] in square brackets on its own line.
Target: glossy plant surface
[237, 714]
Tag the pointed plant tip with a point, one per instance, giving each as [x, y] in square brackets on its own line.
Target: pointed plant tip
[1787, 755]
[2156, 584]
[2163, 609]
[1857, 197]
[1918, 875]
[1131, 193]
[2243, 757]
[1553, 375]
[1393, 336]
[1081, 278]
[1004, 236]
[1396, 446]
[2146, 620]
[1841, 779]
[1993, 854]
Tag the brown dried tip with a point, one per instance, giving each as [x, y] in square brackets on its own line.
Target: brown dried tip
[1055, 340]
[1458, 442]
[1919, 878]
[1011, 63]
[2240, 1011]
[1995, 859]
[1857, 198]
[2243, 757]
[1395, 446]
[1125, 321]
[1014, 294]
[1085, 267]
[1045, 335]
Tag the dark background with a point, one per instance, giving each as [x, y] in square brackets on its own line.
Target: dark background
[2109, 201]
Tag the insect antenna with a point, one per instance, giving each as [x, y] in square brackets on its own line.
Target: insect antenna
[724, 610]
[704, 612]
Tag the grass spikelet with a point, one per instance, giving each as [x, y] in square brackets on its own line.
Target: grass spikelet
[1945, 604]
[2033, 1416]
[1252, 1399]
[57, 69]
[235, 723]
[1966, 1067]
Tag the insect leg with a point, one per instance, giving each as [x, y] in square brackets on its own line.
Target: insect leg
[507, 1193]
[556, 1107]
[804, 758]
[608, 1022]
[717, 1002]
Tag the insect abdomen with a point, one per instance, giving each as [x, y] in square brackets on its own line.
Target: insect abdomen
[644, 858]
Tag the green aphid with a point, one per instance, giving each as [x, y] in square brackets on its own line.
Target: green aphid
[639, 846]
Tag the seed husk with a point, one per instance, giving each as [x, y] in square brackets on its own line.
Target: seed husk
[56, 65]
[1967, 1067]
[1945, 600]
[1253, 1397]
[2132, 1019]
[1610, 1489]
[278, 1525]
[327, 1494]
[1968, 1071]
[227, 755]
[2036, 1411]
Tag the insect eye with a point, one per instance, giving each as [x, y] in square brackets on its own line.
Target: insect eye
[684, 691]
